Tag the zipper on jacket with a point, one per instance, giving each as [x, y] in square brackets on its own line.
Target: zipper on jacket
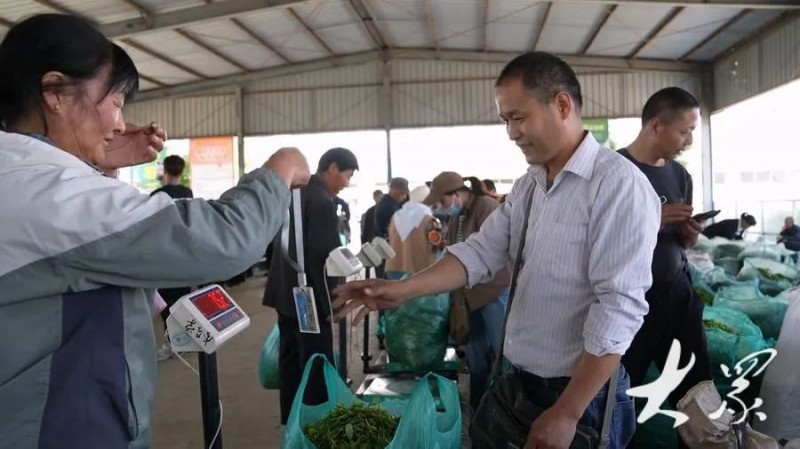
[131, 404]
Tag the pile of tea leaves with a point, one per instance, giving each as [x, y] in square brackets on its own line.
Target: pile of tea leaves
[356, 427]
[714, 324]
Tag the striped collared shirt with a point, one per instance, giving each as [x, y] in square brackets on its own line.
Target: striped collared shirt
[586, 262]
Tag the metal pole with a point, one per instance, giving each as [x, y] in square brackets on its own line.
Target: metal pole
[365, 356]
[209, 399]
[707, 105]
[240, 129]
[343, 349]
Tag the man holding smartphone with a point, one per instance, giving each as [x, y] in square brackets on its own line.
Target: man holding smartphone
[668, 119]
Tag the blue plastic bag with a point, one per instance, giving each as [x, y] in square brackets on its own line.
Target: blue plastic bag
[268, 364]
[421, 426]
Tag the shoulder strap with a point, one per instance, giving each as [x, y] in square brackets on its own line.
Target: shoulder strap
[514, 277]
[612, 387]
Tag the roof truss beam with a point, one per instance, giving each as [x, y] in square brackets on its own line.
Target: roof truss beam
[261, 40]
[608, 12]
[486, 25]
[364, 12]
[655, 31]
[749, 4]
[310, 30]
[426, 4]
[189, 16]
[716, 33]
[165, 58]
[542, 24]
[611, 65]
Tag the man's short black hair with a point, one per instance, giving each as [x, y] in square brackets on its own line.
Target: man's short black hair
[174, 166]
[544, 72]
[342, 157]
[668, 103]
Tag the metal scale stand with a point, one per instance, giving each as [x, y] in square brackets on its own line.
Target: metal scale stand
[388, 380]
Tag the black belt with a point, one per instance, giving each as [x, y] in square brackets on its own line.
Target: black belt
[553, 383]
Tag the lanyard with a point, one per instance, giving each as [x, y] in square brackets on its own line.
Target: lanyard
[297, 220]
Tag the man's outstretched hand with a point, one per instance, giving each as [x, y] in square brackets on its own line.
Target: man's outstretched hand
[366, 296]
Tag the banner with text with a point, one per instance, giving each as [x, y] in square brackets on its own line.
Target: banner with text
[211, 159]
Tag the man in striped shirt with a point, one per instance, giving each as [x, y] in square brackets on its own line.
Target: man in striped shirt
[585, 263]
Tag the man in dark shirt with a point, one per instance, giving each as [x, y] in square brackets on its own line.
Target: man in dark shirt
[368, 219]
[389, 204]
[668, 119]
[790, 235]
[320, 237]
[173, 170]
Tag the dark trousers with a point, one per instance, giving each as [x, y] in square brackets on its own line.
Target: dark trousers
[296, 349]
[676, 312]
[545, 393]
[171, 296]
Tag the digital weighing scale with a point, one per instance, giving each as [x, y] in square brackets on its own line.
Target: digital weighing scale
[202, 322]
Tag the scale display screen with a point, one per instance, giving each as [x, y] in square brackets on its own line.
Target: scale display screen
[211, 303]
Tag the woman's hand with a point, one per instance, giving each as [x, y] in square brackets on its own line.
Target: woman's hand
[137, 145]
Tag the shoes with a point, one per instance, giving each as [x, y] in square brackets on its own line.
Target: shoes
[165, 353]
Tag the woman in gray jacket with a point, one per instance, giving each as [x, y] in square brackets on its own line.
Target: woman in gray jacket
[82, 252]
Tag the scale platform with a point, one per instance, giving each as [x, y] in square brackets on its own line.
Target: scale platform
[449, 367]
[380, 387]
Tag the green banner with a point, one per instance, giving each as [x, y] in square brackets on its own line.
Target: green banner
[598, 127]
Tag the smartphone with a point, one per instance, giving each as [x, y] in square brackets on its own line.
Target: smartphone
[706, 215]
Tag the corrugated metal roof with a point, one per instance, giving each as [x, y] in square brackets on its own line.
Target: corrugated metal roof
[513, 24]
[227, 38]
[422, 93]
[687, 29]
[15, 10]
[567, 27]
[738, 31]
[762, 65]
[627, 26]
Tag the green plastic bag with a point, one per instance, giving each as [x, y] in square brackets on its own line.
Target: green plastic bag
[268, 365]
[767, 313]
[727, 249]
[774, 277]
[421, 425]
[728, 347]
[417, 332]
[771, 252]
[658, 431]
[731, 265]
[718, 278]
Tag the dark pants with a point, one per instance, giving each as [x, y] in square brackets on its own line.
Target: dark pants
[296, 349]
[676, 312]
[544, 393]
[171, 296]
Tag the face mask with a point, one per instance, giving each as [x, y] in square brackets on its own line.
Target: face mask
[453, 210]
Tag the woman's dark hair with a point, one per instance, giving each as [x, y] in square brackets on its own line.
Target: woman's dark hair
[749, 219]
[60, 43]
[475, 186]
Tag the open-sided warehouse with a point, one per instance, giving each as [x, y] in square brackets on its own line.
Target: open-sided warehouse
[249, 68]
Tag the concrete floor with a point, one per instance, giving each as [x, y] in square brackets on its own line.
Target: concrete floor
[251, 414]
